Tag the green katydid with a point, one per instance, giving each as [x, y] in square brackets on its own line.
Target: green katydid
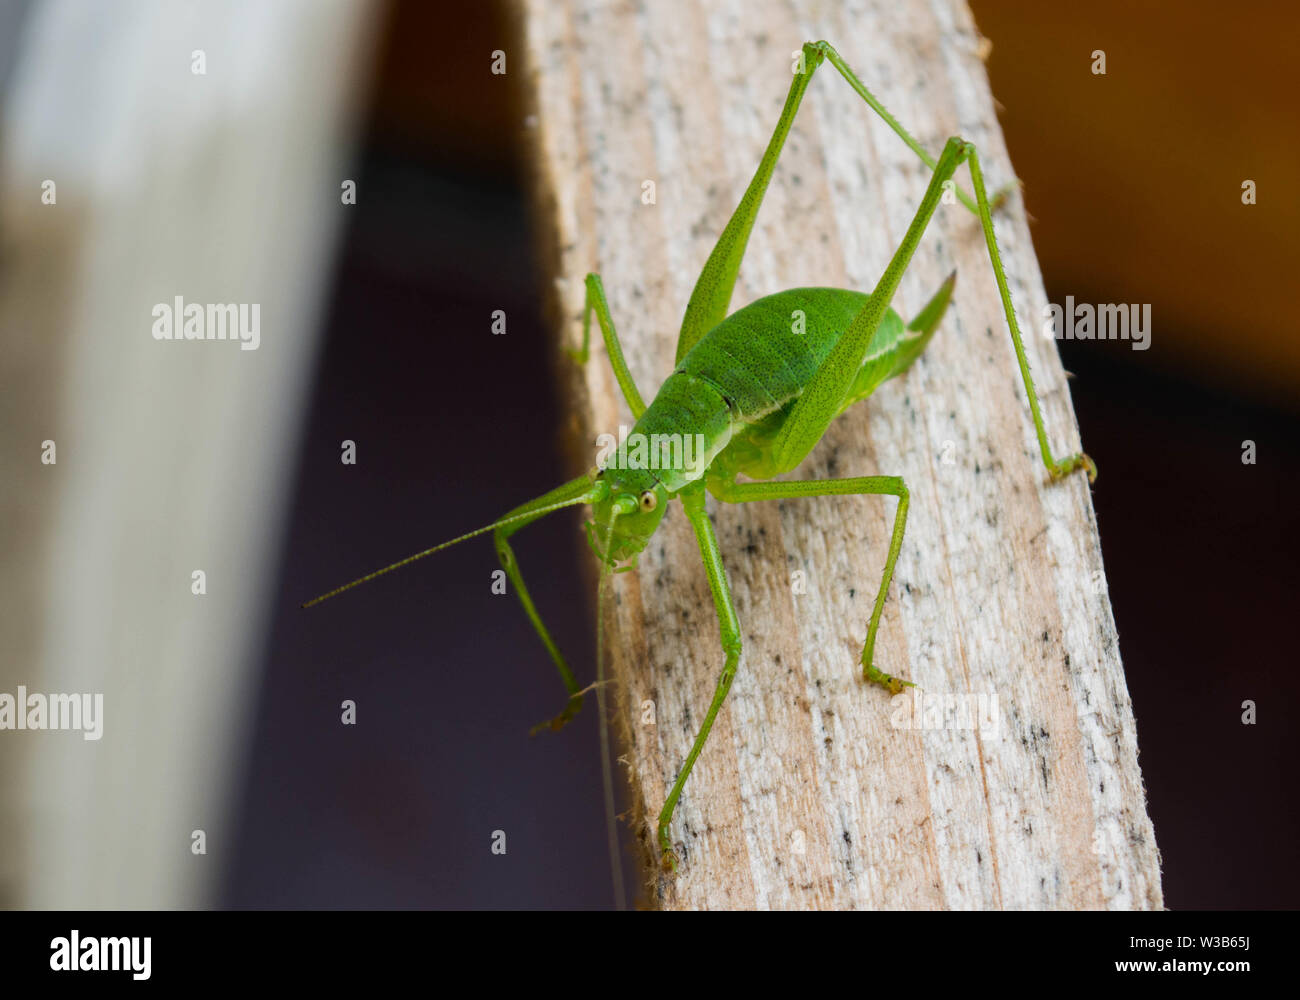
[758, 400]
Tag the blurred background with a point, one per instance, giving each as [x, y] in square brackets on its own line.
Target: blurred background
[228, 185]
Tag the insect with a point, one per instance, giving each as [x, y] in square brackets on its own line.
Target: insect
[756, 396]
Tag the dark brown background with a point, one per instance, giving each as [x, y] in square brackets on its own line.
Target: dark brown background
[1134, 180]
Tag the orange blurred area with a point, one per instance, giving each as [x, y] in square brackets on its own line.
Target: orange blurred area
[1135, 177]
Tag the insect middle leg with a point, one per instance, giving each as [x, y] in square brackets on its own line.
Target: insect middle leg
[732, 492]
[596, 303]
[729, 624]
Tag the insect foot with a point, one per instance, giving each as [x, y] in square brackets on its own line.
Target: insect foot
[667, 856]
[561, 720]
[1080, 461]
[1002, 196]
[894, 684]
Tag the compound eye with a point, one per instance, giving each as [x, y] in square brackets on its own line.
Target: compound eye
[649, 500]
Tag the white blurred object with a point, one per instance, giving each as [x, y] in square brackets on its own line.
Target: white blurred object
[172, 456]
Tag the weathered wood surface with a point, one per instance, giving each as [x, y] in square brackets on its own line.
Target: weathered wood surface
[815, 790]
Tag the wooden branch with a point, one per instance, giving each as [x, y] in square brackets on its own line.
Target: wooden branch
[816, 790]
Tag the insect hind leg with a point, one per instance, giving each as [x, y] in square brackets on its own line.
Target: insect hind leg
[824, 49]
[712, 293]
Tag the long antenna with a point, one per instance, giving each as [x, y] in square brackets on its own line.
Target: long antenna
[607, 778]
[536, 512]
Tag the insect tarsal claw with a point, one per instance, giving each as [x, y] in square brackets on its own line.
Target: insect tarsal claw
[894, 685]
[560, 721]
[1071, 464]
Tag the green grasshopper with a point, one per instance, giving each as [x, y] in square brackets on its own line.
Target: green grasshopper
[758, 399]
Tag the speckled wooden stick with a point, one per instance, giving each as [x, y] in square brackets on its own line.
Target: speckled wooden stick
[1009, 779]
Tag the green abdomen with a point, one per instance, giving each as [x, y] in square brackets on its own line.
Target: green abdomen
[762, 356]
[733, 390]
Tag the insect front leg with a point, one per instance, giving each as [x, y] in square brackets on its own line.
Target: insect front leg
[731, 492]
[729, 626]
[501, 537]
